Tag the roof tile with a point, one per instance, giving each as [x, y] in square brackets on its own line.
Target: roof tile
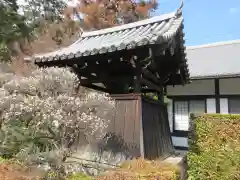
[150, 31]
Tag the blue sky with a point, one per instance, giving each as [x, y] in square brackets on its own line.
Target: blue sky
[206, 21]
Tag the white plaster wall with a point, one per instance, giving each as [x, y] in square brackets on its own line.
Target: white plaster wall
[182, 122]
[180, 141]
[223, 105]
[170, 114]
[181, 115]
[229, 86]
[197, 87]
[211, 105]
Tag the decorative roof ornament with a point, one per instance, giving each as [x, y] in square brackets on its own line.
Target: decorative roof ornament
[179, 10]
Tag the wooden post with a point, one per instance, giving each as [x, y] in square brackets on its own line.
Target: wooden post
[137, 89]
[217, 96]
[137, 76]
[160, 94]
[160, 97]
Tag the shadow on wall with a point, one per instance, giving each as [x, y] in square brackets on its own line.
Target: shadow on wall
[93, 158]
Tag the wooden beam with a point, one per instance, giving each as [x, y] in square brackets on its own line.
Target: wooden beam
[137, 75]
[110, 79]
[149, 75]
[149, 90]
[105, 69]
[90, 76]
[116, 55]
[160, 96]
[151, 84]
[158, 50]
[174, 79]
[93, 86]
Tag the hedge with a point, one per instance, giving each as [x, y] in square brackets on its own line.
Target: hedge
[214, 147]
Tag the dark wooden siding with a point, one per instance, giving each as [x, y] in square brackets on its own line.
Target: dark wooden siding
[156, 131]
[142, 122]
[125, 123]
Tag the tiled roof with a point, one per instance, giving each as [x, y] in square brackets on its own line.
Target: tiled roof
[158, 29]
[220, 59]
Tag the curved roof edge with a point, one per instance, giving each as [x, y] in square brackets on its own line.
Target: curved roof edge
[129, 25]
[176, 13]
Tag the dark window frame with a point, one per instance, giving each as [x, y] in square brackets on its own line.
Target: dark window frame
[229, 103]
[182, 133]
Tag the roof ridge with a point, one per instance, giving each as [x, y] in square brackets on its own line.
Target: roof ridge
[208, 45]
[175, 14]
[130, 25]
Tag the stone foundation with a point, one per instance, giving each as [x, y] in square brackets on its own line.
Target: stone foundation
[179, 159]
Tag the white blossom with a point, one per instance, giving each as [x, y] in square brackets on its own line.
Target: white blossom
[47, 96]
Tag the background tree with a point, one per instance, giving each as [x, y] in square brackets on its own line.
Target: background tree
[98, 14]
[21, 24]
[38, 26]
[26, 29]
[12, 28]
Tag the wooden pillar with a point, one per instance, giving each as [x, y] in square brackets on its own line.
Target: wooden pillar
[137, 85]
[137, 76]
[160, 96]
[217, 95]
[169, 144]
[137, 89]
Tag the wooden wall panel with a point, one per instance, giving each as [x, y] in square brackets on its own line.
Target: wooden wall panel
[125, 123]
[131, 111]
[157, 136]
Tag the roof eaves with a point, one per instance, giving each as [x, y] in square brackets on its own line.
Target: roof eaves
[215, 76]
[167, 32]
[222, 43]
[169, 23]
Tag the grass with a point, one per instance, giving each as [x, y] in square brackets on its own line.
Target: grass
[141, 169]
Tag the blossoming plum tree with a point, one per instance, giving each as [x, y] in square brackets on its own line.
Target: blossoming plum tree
[43, 111]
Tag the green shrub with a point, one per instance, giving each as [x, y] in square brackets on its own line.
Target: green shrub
[79, 176]
[2, 160]
[33, 113]
[214, 148]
